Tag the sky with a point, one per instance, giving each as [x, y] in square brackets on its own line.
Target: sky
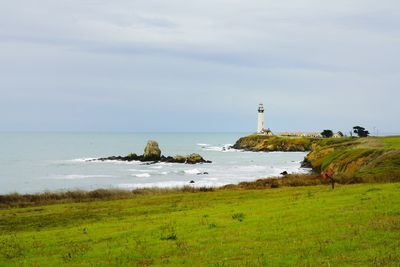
[199, 66]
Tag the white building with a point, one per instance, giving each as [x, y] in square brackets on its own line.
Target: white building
[260, 124]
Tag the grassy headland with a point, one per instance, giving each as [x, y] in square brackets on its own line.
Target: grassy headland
[290, 226]
[372, 159]
[352, 160]
[265, 143]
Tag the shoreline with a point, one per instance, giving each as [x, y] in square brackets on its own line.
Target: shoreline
[346, 157]
[229, 168]
[75, 196]
[168, 185]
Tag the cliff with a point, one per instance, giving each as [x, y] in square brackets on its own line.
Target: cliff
[273, 143]
[351, 160]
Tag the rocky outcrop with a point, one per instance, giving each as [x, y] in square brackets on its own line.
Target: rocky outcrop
[273, 143]
[306, 164]
[180, 159]
[194, 158]
[152, 154]
[353, 160]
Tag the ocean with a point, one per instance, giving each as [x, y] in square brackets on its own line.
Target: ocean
[37, 162]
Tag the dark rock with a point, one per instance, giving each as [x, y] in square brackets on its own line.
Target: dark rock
[152, 155]
[306, 163]
[179, 159]
[194, 158]
[132, 157]
[284, 173]
[150, 163]
[191, 182]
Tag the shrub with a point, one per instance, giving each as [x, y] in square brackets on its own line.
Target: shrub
[238, 216]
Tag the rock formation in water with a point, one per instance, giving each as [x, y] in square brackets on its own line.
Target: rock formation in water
[152, 154]
[274, 143]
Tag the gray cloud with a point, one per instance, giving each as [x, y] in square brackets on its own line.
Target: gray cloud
[100, 65]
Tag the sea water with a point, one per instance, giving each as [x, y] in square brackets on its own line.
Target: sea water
[36, 162]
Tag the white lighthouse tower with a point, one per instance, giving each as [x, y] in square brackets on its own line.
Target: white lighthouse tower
[260, 124]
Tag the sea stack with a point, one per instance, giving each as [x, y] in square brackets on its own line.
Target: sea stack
[152, 152]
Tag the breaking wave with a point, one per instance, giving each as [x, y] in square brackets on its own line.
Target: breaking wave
[142, 175]
[80, 176]
[224, 148]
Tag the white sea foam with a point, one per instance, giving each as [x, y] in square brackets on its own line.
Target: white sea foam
[96, 160]
[213, 148]
[142, 175]
[251, 168]
[118, 162]
[82, 159]
[210, 179]
[157, 167]
[203, 144]
[73, 161]
[224, 148]
[134, 170]
[165, 163]
[169, 184]
[80, 176]
[192, 171]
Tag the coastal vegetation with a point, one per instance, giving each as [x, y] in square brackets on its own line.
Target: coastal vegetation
[360, 131]
[38, 199]
[256, 142]
[297, 226]
[46, 198]
[349, 159]
[352, 160]
[327, 133]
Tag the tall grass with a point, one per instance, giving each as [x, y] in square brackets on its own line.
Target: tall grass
[24, 200]
[291, 180]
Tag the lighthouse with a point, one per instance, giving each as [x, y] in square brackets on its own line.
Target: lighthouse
[260, 124]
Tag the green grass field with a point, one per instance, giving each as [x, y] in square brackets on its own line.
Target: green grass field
[296, 226]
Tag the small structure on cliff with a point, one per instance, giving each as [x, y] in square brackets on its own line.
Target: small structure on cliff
[261, 122]
[261, 130]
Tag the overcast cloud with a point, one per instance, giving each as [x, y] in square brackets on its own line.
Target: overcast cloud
[153, 65]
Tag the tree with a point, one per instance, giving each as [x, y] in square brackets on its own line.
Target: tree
[327, 133]
[360, 131]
